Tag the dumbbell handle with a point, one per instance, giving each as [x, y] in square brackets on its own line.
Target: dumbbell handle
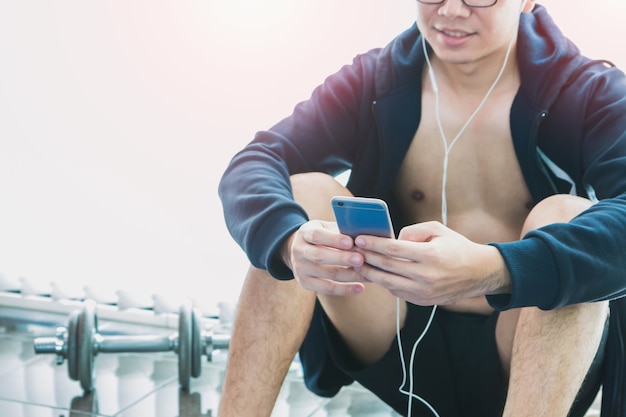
[141, 343]
[152, 343]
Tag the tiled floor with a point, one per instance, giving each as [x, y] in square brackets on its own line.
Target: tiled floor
[135, 384]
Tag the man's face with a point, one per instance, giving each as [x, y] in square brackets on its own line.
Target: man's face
[460, 34]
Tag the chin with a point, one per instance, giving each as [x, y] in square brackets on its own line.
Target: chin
[456, 58]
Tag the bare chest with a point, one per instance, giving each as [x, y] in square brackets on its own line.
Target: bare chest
[486, 196]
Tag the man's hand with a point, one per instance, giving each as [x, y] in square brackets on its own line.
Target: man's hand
[323, 260]
[431, 264]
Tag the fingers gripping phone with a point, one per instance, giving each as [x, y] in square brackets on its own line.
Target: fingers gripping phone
[362, 216]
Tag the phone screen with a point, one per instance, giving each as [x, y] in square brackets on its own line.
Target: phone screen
[362, 216]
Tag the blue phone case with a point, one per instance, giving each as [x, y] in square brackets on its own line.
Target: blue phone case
[362, 216]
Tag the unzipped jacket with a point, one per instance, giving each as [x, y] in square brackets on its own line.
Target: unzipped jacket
[568, 124]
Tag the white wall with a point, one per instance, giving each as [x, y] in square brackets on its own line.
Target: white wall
[117, 119]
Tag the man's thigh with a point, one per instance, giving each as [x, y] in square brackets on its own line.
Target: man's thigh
[313, 191]
[366, 322]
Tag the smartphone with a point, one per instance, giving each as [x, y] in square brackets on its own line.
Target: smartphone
[362, 216]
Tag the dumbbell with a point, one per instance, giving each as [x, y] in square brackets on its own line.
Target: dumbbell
[80, 342]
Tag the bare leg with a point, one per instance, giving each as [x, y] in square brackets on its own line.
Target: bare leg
[271, 322]
[548, 353]
[366, 322]
[273, 318]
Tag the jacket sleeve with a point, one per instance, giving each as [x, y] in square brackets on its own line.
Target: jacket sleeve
[320, 136]
[583, 260]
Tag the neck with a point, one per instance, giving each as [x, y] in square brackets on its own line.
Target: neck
[476, 77]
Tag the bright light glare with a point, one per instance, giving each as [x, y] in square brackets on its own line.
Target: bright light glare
[110, 158]
[251, 15]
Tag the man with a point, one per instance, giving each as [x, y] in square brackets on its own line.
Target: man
[501, 152]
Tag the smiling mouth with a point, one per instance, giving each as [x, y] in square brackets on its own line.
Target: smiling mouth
[454, 34]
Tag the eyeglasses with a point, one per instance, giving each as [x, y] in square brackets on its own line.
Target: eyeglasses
[469, 3]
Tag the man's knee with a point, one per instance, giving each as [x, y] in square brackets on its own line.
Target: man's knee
[559, 208]
[313, 191]
[585, 321]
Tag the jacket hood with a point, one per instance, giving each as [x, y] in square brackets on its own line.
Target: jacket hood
[546, 55]
[548, 59]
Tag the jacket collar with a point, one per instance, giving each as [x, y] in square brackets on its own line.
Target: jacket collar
[545, 58]
[546, 65]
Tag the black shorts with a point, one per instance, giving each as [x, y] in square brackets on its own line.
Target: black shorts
[456, 370]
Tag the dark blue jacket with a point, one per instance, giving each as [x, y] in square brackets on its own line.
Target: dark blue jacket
[568, 124]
